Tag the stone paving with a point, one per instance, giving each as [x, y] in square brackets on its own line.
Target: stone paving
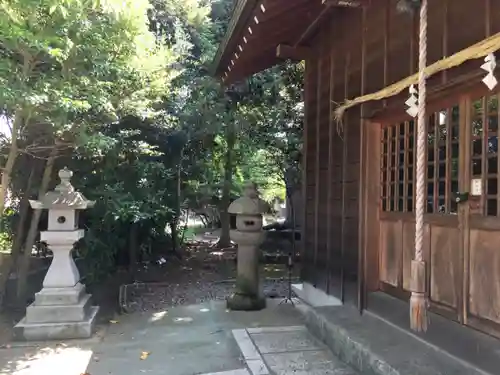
[183, 340]
[287, 350]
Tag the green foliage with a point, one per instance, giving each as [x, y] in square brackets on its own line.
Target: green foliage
[123, 88]
[6, 237]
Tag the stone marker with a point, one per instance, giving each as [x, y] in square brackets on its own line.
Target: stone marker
[62, 309]
[248, 235]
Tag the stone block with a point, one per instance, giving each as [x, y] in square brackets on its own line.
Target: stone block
[57, 331]
[60, 296]
[36, 313]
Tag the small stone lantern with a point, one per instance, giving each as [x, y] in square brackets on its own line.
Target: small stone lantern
[62, 309]
[248, 235]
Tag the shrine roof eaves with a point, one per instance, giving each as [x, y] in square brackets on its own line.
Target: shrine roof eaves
[241, 13]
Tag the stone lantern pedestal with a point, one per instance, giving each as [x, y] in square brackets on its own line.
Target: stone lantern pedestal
[248, 235]
[62, 309]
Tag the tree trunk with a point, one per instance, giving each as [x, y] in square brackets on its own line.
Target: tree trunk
[183, 236]
[132, 267]
[174, 225]
[225, 240]
[7, 265]
[33, 230]
[9, 165]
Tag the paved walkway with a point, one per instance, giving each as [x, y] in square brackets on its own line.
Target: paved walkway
[187, 340]
[285, 351]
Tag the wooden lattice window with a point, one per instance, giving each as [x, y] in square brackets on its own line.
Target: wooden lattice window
[397, 167]
[442, 161]
[484, 150]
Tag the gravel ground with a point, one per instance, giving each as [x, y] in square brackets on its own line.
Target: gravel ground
[203, 274]
[152, 296]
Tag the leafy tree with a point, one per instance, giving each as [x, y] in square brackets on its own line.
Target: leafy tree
[67, 65]
[121, 93]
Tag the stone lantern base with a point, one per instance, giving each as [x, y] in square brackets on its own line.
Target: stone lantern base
[245, 302]
[58, 313]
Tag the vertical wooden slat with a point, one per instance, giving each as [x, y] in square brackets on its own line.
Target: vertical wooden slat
[426, 165]
[488, 18]
[449, 162]
[413, 55]
[305, 150]
[413, 44]
[317, 154]
[390, 181]
[435, 198]
[445, 23]
[396, 166]
[331, 134]
[465, 131]
[415, 165]
[487, 31]
[406, 162]
[484, 153]
[344, 168]
[386, 45]
[364, 182]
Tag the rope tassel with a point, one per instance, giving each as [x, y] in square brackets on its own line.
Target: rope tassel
[419, 319]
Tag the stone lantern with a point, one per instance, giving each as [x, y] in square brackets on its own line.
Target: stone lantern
[248, 235]
[62, 309]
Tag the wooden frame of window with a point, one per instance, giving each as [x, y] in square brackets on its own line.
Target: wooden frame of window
[485, 163]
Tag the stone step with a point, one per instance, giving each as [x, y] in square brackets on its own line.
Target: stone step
[60, 296]
[36, 313]
[57, 331]
[475, 348]
[374, 347]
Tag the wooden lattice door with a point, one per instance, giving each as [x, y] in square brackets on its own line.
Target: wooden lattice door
[481, 219]
[462, 231]
[443, 230]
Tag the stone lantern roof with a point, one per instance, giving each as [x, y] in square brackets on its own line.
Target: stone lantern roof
[249, 203]
[64, 196]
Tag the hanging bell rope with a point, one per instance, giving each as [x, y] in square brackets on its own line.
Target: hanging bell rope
[418, 300]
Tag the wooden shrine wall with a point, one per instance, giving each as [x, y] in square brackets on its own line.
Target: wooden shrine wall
[358, 52]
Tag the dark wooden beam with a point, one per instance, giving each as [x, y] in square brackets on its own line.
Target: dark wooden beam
[346, 3]
[314, 25]
[284, 51]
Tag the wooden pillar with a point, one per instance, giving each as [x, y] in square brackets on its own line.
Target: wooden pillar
[363, 181]
[305, 151]
[317, 172]
[331, 137]
[345, 135]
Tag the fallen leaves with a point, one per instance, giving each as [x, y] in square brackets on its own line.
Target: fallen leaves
[144, 355]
